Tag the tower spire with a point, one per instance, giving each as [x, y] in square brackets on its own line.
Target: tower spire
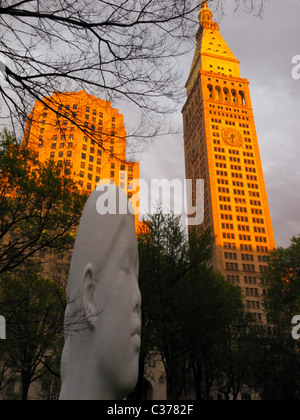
[204, 5]
[205, 14]
[206, 17]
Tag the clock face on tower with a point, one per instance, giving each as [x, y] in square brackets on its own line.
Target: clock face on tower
[232, 137]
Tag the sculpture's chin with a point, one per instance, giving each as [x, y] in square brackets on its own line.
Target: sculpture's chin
[123, 376]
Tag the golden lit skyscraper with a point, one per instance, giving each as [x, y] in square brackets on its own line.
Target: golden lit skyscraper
[85, 133]
[221, 147]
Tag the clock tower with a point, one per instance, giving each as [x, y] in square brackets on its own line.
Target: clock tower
[221, 147]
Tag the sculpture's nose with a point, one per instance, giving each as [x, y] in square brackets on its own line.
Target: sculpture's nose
[137, 301]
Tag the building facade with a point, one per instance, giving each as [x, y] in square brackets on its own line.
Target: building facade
[221, 147]
[85, 134]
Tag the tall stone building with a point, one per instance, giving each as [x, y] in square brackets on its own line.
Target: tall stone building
[87, 135]
[221, 147]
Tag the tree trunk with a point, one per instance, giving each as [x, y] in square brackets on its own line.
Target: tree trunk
[197, 371]
[174, 385]
[25, 387]
[140, 384]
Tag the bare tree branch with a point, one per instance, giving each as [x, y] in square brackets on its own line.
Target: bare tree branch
[118, 51]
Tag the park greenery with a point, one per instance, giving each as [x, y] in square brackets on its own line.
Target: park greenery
[40, 208]
[195, 322]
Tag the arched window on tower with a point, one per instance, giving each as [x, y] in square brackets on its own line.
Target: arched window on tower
[218, 93]
[234, 96]
[211, 91]
[242, 96]
[226, 93]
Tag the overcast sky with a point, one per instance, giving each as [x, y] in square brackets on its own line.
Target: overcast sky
[265, 47]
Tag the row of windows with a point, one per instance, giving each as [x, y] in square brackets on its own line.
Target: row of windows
[237, 192]
[247, 257]
[250, 291]
[244, 257]
[261, 239]
[250, 280]
[92, 150]
[229, 245]
[75, 108]
[254, 194]
[225, 95]
[89, 187]
[235, 159]
[225, 81]
[222, 173]
[239, 218]
[236, 153]
[227, 115]
[245, 267]
[60, 162]
[218, 142]
[242, 228]
[237, 175]
[220, 107]
[248, 267]
[253, 305]
[61, 154]
[110, 132]
[226, 216]
[242, 201]
[248, 247]
[91, 167]
[61, 146]
[62, 138]
[97, 178]
[89, 176]
[98, 161]
[247, 280]
[249, 162]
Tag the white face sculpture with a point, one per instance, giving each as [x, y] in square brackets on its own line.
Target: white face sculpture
[100, 358]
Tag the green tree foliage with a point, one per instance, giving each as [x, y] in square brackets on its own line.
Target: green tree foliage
[282, 280]
[187, 309]
[276, 360]
[34, 316]
[40, 208]
[39, 205]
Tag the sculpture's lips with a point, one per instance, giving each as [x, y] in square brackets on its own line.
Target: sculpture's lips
[136, 333]
[137, 337]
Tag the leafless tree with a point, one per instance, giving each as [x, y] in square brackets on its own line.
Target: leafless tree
[117, 50]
